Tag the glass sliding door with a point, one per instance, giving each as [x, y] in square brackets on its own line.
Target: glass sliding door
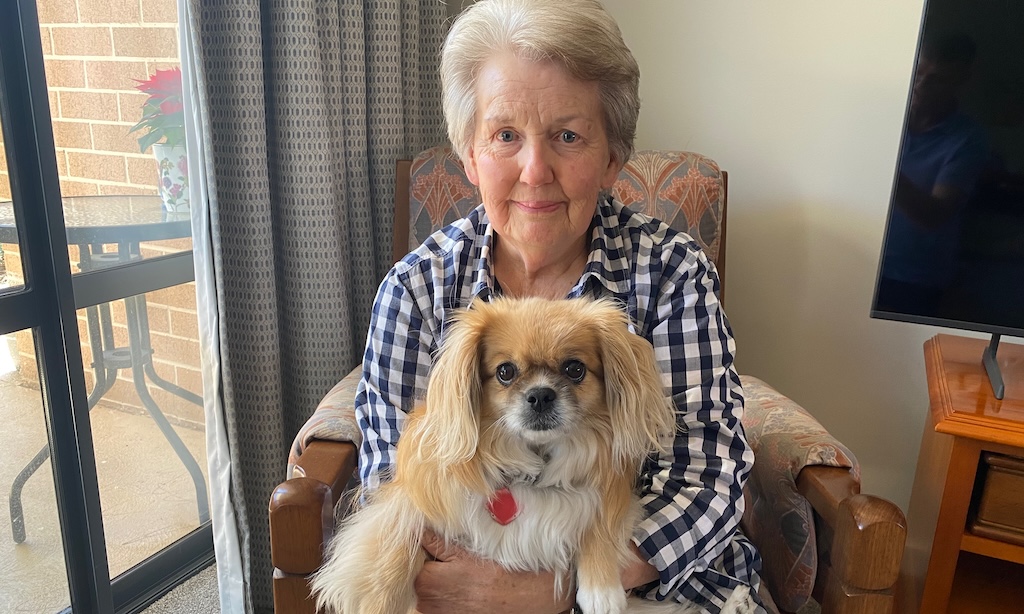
[104, 480]
[39, 299]
[34, 578]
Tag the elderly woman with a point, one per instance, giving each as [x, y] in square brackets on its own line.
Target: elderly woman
[541, 102]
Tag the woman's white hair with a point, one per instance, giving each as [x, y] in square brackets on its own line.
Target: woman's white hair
[577, 34]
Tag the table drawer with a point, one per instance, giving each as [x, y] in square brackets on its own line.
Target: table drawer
[1000, 505]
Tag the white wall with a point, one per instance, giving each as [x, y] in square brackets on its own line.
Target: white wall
[802, 102]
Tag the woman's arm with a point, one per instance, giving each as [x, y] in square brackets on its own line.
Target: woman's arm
[639, 572]
[692, 495]
[459, 582]
[396, 364]
[444, 586]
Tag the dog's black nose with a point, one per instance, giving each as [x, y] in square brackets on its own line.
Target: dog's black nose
[541, 399]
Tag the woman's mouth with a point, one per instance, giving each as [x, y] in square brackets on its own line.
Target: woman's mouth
[537, 206]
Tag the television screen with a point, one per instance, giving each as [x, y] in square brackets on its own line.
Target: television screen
[953, 251]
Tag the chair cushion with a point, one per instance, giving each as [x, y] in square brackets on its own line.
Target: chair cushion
[785, 439]
[333, 420]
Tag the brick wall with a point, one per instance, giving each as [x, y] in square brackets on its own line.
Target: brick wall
[92, 50]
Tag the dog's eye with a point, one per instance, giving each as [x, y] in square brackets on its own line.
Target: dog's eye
[574, 370]
[506, 373]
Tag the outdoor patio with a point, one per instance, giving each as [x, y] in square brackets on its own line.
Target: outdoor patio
[148, 499]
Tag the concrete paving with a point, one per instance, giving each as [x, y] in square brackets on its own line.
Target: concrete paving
[147, 496]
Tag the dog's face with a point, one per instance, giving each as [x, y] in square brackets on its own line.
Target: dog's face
[541, 371]
[544, 371]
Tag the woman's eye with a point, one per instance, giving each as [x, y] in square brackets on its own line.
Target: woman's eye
[506, 136]
[505, 373]
[568, 136]
[574, 370]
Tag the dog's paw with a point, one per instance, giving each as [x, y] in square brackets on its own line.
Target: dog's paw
[611, 600]
[740, 602]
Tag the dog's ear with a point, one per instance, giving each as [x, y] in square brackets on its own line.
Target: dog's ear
[451, 430]
[640, 411]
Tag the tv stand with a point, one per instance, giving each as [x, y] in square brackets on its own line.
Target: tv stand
[965, 523]
[995, 376]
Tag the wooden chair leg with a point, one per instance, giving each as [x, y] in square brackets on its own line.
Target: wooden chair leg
[291, 594]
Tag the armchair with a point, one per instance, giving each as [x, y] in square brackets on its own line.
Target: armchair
[818, 536]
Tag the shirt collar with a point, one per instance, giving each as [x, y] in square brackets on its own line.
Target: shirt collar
[483, 282]
[607, 266]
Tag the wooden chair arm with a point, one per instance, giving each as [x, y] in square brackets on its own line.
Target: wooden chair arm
[860, 540]
[302, 508]
[329, 462]
[825, 487]
[302, 520]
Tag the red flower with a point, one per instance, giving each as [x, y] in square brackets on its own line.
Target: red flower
[163, 83]
[162, 113]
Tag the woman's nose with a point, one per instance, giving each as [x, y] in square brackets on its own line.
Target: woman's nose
[535, 168]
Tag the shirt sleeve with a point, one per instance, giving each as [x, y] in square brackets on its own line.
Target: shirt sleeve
[396, 364]
[692, 494]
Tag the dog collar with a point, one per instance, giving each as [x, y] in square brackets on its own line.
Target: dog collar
[503, 507]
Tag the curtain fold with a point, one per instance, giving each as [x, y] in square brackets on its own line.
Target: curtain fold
[230, 569]
[307, 106]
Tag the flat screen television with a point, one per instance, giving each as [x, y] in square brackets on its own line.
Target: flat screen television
[953, 251]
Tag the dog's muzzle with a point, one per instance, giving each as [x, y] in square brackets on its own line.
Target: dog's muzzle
[543, 409]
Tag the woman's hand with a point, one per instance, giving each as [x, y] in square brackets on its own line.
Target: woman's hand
[459, 582]
[639, 572]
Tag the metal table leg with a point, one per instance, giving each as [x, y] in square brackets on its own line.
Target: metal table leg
[107, 361]
[142, 361]
[98, 319]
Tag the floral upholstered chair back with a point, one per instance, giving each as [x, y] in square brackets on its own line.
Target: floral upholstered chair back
[685, 190]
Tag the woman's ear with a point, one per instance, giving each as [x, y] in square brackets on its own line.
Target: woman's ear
[611, 173]
[469, 165]
[451, 429]
[640, 411]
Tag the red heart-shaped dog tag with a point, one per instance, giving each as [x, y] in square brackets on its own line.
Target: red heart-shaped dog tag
[503, 506]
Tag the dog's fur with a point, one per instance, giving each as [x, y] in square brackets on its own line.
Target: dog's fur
[570, 463]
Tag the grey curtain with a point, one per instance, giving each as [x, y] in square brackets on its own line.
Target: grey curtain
[309, 104]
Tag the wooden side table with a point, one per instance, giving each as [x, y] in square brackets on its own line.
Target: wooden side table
[955, 562]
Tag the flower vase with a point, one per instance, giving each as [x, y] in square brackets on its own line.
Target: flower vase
[172, 168]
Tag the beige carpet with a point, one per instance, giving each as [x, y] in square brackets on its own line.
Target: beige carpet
[197, 595]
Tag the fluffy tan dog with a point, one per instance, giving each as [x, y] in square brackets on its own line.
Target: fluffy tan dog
[537, 419]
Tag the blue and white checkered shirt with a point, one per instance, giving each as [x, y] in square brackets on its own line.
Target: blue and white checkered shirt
[691, 496]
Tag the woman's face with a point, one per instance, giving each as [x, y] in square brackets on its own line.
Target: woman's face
[539, 153]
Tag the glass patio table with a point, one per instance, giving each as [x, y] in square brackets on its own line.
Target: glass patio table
[93, 222]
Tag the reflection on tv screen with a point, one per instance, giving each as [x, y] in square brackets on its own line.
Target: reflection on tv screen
[954, 244]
